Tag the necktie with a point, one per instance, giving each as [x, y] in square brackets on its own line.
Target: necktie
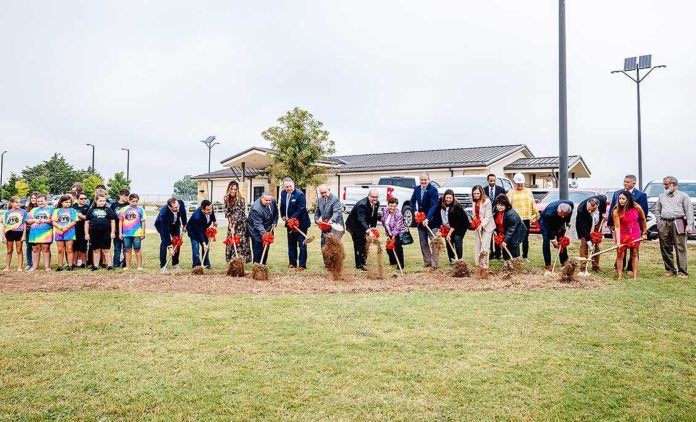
[491, 192]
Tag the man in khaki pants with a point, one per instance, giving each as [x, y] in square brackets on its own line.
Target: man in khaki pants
[675, 220]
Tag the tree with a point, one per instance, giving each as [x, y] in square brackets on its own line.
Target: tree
[185, 187]
[22, 187]
[59, 174]
[300, 143]
[117, 183]
[39, 184]
[90, 183]
[10, 188]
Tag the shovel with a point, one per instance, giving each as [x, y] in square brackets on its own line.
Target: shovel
[307, 239]
[587, 264]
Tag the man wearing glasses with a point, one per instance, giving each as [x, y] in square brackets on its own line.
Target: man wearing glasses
[363, 218]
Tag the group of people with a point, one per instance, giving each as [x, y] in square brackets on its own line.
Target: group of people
[82, 229]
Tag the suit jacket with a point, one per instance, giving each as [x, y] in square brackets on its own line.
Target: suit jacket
[426, 203]
[514, 228]
[332, 210]
[197, 225]
[498, 190]
[583, 221]
[638, 196]
[458, 219]
[296, 208]
[486, 216]
[261, 219]
[362, 217]
[167, 220]
[551, 225]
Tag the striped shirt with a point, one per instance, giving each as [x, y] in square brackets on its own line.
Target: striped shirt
[674, 205]
[523, 202]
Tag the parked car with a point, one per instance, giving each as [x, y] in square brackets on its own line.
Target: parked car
[650, 223]
[575, 195]
[462, 185]
[539, 193]
[400, 187]
[655, 188]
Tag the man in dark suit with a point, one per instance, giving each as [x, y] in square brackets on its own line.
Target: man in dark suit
[639, 198]
[553, 223]
[199, 222]
[492, 190]
[425, 199]
[293, 204]
[263, 217]
[363, 218]
[169, 223]
[590, 214]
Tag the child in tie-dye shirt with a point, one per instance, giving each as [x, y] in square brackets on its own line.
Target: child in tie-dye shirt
[41, 234]
[14, 222]
[132, 229]
[64, 221]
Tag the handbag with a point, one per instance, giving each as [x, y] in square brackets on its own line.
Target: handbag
[406, 238]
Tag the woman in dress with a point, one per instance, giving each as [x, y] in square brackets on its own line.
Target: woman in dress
[451, 215]
[235, 211]
[483, 226]
[393, 223]
[629, 228]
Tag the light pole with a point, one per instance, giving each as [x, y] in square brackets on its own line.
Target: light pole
[90, 145]
[127, 162]
[562, 106]
[2, 165]
[638, 63]
[210, 143]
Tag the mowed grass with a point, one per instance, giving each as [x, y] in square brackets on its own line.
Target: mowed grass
[626, 351]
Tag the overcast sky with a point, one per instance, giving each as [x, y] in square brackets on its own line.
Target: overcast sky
[159, 76]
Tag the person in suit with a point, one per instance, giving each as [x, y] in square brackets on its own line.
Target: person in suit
[329, 210]
[263, 218]
[424, 199]
[199, 222]
[363, 218]
[553, 223]
[170, 221]
[509, 223]
[492, 190]
[640, 198]
[450, 214]
[591, 212]
[293, 204]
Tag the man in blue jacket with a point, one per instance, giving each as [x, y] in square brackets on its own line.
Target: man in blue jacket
[293, 204]
[553, 222]
[640, 198]
[169, 223]
[424, 199]
[199, 222]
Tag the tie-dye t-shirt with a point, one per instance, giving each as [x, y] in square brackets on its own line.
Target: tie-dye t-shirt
[132, 219]
[62, 217]
[14, 220]
[41, 232]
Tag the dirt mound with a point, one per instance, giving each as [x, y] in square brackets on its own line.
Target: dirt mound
[235, 268]
[260, 272]
[374, 251]
[334, 256]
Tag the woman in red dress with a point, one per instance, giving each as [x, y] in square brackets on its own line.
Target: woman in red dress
[629, 223]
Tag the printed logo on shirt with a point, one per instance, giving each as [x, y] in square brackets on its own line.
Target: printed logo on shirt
[99, 213]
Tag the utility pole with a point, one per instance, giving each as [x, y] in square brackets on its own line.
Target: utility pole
[127, 162]
[638, 63]
[2, 167]
[90, 145]
[562, 106]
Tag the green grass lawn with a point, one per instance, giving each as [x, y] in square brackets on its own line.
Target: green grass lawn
[626, 351]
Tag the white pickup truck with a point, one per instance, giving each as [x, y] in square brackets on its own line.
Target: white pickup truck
[400, 187]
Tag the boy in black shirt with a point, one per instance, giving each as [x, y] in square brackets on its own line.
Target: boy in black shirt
[119, 249]
[80, 244]
[100, 228]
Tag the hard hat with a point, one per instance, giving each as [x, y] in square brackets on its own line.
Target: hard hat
[518, 178]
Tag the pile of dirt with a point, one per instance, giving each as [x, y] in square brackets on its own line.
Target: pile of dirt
[374, 252]
[197, 271]
[460, 269]
[235, 268]
[217, 282]
[260, 272]
[334, 256]
[568, 271]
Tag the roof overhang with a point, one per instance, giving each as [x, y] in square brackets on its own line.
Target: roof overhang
[578, 167]
[260, 158]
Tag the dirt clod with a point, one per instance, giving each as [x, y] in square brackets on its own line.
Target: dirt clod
[375, 267]
[260, 272]
[334, 256]
[197, 271]
[460, 269]
[235, 268]
[568, 271]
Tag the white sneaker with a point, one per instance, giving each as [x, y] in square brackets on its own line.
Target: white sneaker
[140, 268]
[164, 270]
[176, 267]
[547, 273]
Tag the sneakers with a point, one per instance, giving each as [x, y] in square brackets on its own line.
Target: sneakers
[176, 267]
[163, 270]
[140, 268]
[109, 268]
[95, 268]
[59, 269]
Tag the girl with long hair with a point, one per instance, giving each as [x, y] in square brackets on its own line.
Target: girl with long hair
[235, 211]
[629, 229]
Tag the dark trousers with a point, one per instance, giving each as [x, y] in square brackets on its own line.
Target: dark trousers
[257, 249]
[119, 252]
[295, 242]
[496, 250]
[546, 249]
[514, 249]
[397, 253]
[525, 241]
[165, 242]
[359, 245]
[457, 240]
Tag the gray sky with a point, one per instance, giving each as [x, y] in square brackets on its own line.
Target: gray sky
[159, 76]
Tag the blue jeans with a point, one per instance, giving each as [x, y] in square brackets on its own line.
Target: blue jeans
[295, 241]
[457, 240]
[119, 253]
[196, 249]
[27, 251]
